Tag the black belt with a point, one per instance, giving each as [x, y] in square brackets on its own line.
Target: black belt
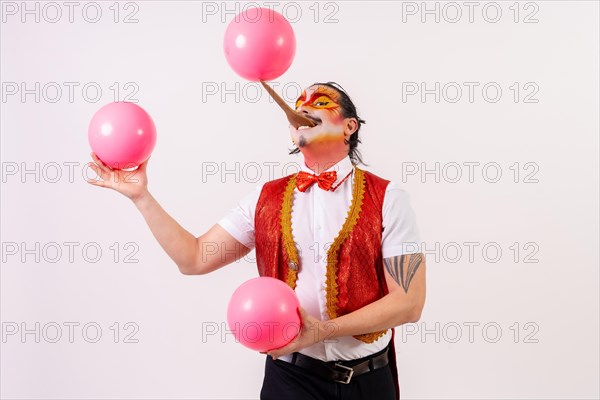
[341, 371]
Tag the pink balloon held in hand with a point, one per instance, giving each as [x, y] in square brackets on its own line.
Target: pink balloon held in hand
[263, 314]
[122, 135]
[259, 44]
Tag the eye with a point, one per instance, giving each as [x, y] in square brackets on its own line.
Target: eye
[321, 103]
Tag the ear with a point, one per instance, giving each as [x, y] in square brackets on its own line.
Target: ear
[350, 126]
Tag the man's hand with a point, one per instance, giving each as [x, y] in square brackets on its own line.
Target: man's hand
[132, 184]
[311, 332]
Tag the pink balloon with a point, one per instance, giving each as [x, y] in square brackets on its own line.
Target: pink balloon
[122, 135]
[259, 44]
[263, 314]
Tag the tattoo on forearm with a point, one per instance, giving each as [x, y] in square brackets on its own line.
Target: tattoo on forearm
[403, 268]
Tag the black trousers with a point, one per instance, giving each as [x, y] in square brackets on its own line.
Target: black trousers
[287, 381]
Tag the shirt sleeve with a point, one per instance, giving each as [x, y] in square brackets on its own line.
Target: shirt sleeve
[239, 222]
[400, 232]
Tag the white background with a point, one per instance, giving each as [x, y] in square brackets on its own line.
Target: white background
[173, 54]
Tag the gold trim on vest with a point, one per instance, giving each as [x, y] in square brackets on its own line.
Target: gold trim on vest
[289, 246]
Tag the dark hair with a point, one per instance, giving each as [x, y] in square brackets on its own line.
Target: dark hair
[348, 111]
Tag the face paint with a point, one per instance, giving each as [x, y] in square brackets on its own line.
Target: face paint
[320, 103]
[320, 97]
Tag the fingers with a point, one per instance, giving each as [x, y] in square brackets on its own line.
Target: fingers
[102, 170]
[102, 173]
[281, 351]
[97, 182]
[98, 161]
[286, 349]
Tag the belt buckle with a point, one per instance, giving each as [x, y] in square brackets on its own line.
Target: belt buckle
[350, 372]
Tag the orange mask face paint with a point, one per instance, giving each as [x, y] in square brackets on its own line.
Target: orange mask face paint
[321, 104]
[322, 97]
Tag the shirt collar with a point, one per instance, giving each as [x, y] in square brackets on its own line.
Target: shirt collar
[342, 168]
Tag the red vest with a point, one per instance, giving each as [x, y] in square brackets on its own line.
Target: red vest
[355, 271]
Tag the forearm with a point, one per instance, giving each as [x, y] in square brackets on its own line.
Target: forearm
[385, 313]
[178, 243]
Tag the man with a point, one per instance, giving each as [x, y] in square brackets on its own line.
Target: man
[343, 238]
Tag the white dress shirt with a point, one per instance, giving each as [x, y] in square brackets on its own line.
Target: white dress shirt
[317, 217]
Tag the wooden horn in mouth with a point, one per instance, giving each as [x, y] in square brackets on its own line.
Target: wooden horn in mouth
[295, 118]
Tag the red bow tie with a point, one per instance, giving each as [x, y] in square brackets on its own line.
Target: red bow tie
[304, 180]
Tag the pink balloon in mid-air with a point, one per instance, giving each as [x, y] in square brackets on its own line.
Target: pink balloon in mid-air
[122, 135]
[263, 314]
[259, 44]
